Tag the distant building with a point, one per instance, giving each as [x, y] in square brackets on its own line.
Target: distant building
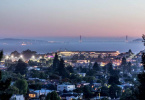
[87, 54]
[38, 93]
[65, 87]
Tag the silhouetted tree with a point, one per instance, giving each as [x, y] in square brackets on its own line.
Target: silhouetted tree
[28, 53]
[4, 85]
[128, 95]
[123, 64]
[55, 62]
[129, 67]
[105, 91]
[110, 68]
[52, 96]
[62, 70]
[70, 69]
[114, 91]
[96, 67]
[21, 67]
[87, 92]
[15, 53]
[32, 63]
[141, 79]
[113, 80]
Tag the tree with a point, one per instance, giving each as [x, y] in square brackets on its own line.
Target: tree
[15, 53]
[96, 67]
[55, 62]
[70, 69]
[34, 73]
[87, 91]
[28, 54]
[129, 67]
[4, 85]
[62, 70]
[127, 95]
[123, 64]
[22, 85]
[13, 90]
[110, 68]
[42, 75]
[52, 96]
[114, 91]
[32, 63]
[104, 91]
[21, 67]
[141, 79]
[113, 80]
[89, 79]
[90, 72]
[35, 86]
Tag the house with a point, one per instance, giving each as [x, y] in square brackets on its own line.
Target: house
[17, 97]
[32, 94]
[37, 93]
[65, 87]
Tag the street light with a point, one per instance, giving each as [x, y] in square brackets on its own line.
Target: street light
[33, 57]
[7, 57]
[21, 56]
[12, 56]
[40, 57]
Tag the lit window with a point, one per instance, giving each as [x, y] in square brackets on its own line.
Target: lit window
[32, 95]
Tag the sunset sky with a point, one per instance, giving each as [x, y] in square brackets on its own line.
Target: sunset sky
[58, 18]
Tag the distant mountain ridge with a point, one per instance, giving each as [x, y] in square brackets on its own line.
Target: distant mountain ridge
[7, 41]
[137, 40]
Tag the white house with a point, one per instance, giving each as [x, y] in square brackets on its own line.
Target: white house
[65, 87]
[17, 97]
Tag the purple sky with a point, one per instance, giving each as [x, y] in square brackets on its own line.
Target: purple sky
[89, 18]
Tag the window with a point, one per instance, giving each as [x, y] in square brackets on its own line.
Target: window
[32, 95]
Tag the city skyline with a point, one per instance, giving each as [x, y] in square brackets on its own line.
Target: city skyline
[96, 18]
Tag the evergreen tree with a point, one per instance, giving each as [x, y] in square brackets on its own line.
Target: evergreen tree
[110, 68]
[70, 69]
[129, 67]
[141, 79]
[87, 91]
[123, 64]
[52, 96]
[62, 70]
[21, 67]
[4, 85]
[55, 62]
[114, 91]
[113, 80]
[96, 67]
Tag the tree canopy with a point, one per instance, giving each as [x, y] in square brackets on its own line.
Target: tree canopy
[21, 67]
[22, 85]
[52, 96]
[4, 85]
